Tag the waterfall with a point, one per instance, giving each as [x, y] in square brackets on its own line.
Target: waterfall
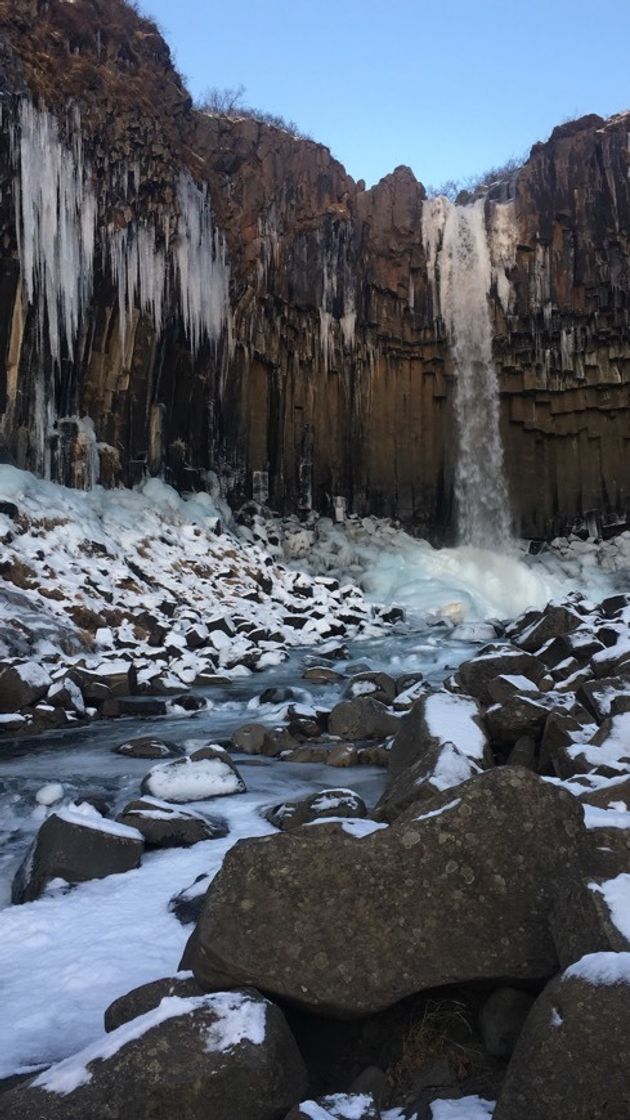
[457, 250]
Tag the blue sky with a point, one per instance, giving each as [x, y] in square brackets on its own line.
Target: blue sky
[449, 89]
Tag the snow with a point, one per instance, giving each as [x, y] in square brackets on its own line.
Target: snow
[353, 826]
[338, 1106]
[452, 768]
[467, 1108]
[605, 818]
[239, 1018]
[86, 816]
[614, 752]
[193, 780]
[50, 793]
[600, 968]
[616, 894]
[33, 674]
[451, 719]
[438, 812]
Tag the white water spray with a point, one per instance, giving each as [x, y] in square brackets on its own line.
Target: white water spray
[462, 257]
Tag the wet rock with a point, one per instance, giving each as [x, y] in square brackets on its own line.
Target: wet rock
[21, 686]
[75, 844]
[162, 826]
[250, 738]
[228, 1055]
[572, 1055]
[321, 674]
[343, 755]
[147, 746]
[147, 996]
[207, 772]
[362, 718]
[501, 1020]
[323, 949]
[327, 803]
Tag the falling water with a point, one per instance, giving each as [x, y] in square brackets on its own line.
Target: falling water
[463, 259]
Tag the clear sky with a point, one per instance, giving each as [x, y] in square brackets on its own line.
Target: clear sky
[449, 89]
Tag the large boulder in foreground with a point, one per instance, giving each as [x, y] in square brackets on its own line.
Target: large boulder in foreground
[76, 844]
[460, 891]
[573, 1056]
[229, 1056]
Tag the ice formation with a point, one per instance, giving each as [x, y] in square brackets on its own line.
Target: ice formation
[457, 249]
[56, 223]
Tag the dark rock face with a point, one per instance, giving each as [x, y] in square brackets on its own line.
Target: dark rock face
[572, 1057]
[166, 827]
[307, 410]
[181, 1067]
[326, 803]
[380, 935]
[70, 848]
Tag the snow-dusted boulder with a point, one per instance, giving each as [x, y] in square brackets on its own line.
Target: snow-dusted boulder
[164, 826]
[229, 1056]
[439, 718]
[443, 766]
[76, 843]
[22, 685]
[327, 803]
[573, 1055]
[207, 772]
[430, 900]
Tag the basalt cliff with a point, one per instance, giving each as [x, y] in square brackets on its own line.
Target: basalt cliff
[184, 293]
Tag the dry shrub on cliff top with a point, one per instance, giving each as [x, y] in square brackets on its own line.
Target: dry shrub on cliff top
[229, 103]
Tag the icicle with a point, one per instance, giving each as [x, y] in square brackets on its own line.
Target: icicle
[56, 223]
[202, 268]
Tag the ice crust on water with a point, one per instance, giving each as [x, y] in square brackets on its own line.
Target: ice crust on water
[467, 1108]
[238, 1019]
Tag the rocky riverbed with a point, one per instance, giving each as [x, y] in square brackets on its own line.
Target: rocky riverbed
[374, 865]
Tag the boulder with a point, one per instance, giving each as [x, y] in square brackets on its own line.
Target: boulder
[598, 696]
[147, 746]
[476, 674]
[443, 767]
[343, 755]
[66, 694]
[502, 1018]
[362, 718]
[554, 621]
[207, 772]
[380, 686]
[250, 738]
[461, 892]
[75, 844]
[229, 1055]
[514, 718]
[572, 1057]
[321, 674]
[327, 803]
[21, 686]
[441, 717]
[163, 826]
[147, 996]
[141, 707]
